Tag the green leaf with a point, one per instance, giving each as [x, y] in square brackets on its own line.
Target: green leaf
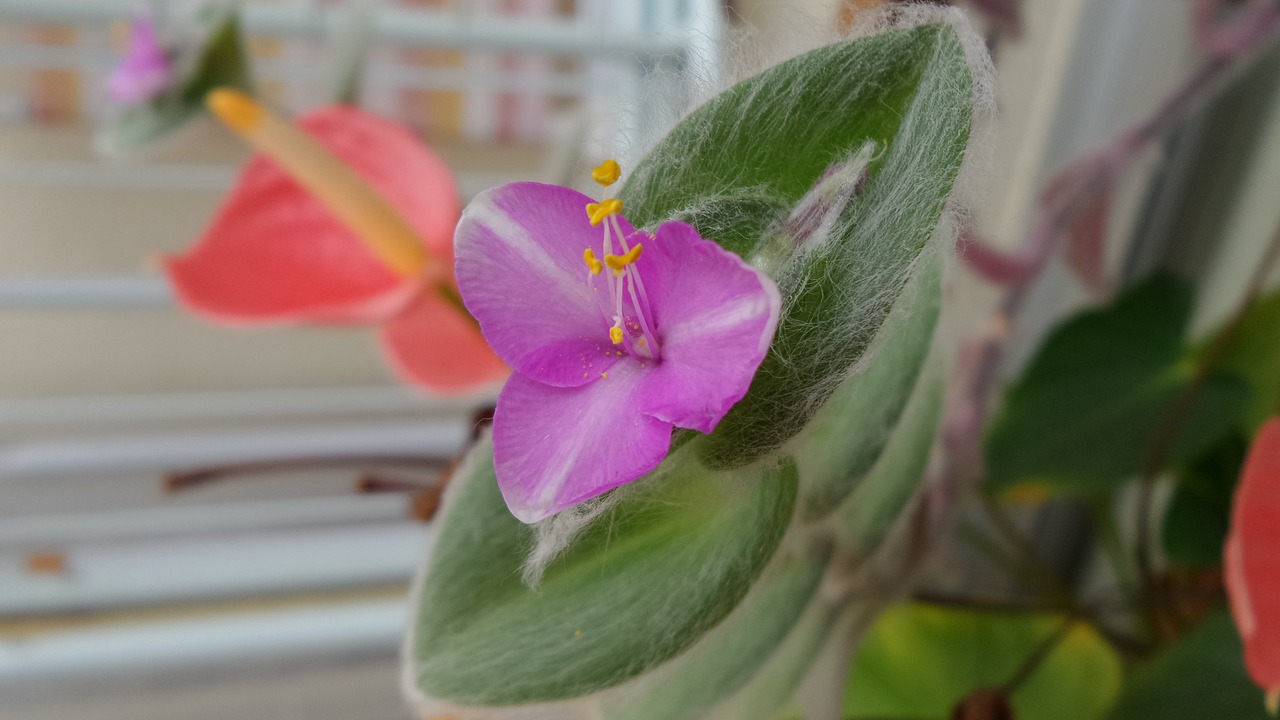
[728, 656]
[735, 219]
[1201, 677]
[644, 583]
[869, 514]
[1254, 354]
[775, 684]
[919, 660]
[220, 61]
[1091, 404]
[843, 440]
[1196, 523]
[909, 91]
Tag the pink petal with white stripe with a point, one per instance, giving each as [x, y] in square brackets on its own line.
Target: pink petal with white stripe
[555, 447]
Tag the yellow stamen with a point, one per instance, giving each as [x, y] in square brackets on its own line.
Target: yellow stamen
[618, 262]
[597, 212]
[615, 334]
[592, 263]
[344, 192]
[607, 173]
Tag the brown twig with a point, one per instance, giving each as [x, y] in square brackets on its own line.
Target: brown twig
[178, 481]
[374, 483]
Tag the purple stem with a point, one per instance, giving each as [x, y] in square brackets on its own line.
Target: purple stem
[1225, 38]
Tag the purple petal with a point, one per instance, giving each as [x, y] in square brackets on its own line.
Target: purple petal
[556, 447]
[145, 70]
[715, 318]
[521, 273]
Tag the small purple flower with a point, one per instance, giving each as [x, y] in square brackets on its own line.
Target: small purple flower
[145, 70]
[615, 336]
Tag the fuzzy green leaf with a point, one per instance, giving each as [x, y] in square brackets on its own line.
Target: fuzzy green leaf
[909, 91]
[773, 687]
[221, 61]
[1093, 401]
[731, 654]
[918, 661]
[843, 440]
[643, 584]
[1201, 677]
[869, 514]
[735, 219]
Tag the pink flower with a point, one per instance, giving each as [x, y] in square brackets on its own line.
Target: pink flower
[276, 253]
[615, 337]
[145, 70]
[1252, 562]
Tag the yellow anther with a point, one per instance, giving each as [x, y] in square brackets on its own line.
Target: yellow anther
[603, 209]
[607, 173]
[615, 334]
[617, 262]
[592, 263]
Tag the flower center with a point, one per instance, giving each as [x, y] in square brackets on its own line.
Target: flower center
[627, 303]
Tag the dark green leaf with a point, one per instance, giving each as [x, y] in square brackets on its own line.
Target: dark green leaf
[1090, 407]
[909, 91]
[644, 583]
[1195, 526]
[1200, 678]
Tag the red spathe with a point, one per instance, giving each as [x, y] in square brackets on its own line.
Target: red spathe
[1252, 559]
[275, 254]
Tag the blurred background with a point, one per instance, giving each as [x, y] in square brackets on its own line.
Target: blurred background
[279, 592]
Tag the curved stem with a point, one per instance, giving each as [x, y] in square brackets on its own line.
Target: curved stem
[1038, 656]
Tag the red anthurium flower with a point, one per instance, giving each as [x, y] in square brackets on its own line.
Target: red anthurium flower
[1252, 562]
[349, 220]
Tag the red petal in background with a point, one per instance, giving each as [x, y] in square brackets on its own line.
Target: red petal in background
[434, 346]
[275, 254]
[1252, 562]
